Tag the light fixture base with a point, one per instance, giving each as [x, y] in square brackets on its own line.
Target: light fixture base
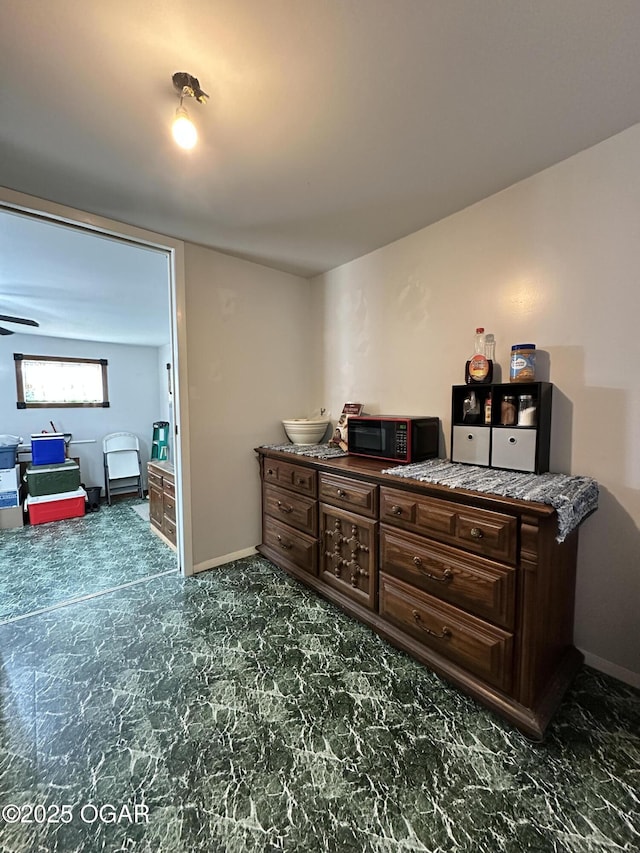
[189, 86]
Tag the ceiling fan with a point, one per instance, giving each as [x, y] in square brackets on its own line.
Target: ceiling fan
[22, 320]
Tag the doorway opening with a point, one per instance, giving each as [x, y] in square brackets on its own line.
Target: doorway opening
[167, 255]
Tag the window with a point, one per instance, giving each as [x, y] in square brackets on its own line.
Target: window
[45, 381]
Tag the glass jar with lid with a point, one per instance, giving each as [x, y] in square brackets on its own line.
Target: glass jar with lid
[526, 410]
[508, 410]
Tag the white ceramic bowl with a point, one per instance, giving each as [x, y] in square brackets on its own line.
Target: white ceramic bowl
[305, 430]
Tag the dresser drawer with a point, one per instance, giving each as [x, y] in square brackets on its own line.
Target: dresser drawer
[295, 510]
[294, 477]
[491, 534]
[480, 586]
[169, 508]
[348, 555]
[349, 494]
[169, 529]
[296, 547]
[169, 488]
[154, 478]
[475, 645]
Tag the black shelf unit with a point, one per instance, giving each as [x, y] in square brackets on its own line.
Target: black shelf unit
[496, 445]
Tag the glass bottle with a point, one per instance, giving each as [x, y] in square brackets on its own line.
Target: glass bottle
[490, 347]
[487, 408]
[478, 369]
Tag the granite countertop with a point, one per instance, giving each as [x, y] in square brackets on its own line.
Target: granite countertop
[573, 497]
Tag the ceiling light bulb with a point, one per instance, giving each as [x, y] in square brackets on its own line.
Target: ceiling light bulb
[184, 131]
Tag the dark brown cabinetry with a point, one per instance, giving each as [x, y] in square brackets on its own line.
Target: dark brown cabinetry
[349, 537]
[162, 499]
[290, 515]
[475, 586]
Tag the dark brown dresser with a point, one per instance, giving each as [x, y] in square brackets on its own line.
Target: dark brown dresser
[473, 585]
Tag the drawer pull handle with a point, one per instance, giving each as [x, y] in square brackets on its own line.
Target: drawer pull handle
[446, 576]
[342, 493]
[476, 533]
[441, 636]
[283, 544]
[470, 437]
[284, 508]
[396, 510]
[270, 472]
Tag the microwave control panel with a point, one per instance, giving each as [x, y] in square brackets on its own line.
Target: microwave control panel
[401, 441]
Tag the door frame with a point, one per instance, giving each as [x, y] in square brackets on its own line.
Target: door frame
[20, 203]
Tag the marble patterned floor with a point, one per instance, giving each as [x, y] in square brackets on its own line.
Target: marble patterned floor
[238, 712]
[45, 565]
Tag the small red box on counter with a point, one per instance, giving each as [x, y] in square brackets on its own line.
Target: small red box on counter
[56, 507]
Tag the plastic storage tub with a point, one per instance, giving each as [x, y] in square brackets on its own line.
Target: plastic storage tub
[8, 450]
[55, 507]
[50, 479]
[47, 448]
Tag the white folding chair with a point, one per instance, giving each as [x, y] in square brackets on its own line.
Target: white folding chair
[121, 452]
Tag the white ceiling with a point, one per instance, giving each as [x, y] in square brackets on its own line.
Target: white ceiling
[334, 126]
[81, 285]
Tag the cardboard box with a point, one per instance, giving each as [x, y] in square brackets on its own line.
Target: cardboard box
[9, 478]
[9, 494]
[11, 517]
[46, 508]
[9, 499]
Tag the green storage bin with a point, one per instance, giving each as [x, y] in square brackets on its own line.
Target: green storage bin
[51, 479]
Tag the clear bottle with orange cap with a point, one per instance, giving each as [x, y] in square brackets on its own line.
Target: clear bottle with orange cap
[479, 369]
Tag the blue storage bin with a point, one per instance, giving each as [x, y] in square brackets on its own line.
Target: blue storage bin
[8, 457]
[47, 448]
[8, 450]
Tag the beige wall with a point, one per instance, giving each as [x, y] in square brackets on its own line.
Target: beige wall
[247, 330]
[553, 260]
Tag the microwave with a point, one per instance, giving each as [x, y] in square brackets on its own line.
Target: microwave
[395, 438]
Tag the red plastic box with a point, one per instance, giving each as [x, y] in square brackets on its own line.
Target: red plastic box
[56, 507]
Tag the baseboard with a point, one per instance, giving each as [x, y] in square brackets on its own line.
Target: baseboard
[220, 561]
[628, 676]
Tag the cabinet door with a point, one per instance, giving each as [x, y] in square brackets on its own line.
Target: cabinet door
[471, 444]
[156, 511]
[348, 554]
[514, 448]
